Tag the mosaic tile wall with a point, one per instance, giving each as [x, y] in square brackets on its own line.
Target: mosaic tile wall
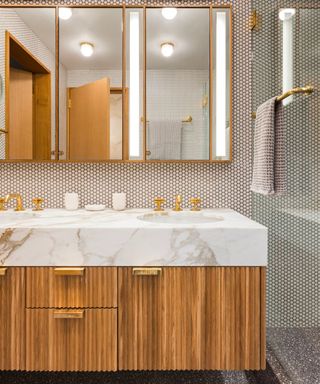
[218, 184]
[293, 292]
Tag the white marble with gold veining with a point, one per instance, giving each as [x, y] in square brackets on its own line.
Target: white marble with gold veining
[108, 238]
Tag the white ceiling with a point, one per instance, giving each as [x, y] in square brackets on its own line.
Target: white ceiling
[189, 32]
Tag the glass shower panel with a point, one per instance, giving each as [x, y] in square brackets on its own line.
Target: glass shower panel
[293, 220]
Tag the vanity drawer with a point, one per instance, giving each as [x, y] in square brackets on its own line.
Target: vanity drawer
[89, 287]
[71, 339]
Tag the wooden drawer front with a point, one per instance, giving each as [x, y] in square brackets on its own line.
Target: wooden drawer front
[71, 340]
[192, 318]
[72, 288]
[12, 318]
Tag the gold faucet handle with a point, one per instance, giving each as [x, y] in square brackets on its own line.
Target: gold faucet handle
[2, 203]
[158, 202]
[195, 202]
[37, 201]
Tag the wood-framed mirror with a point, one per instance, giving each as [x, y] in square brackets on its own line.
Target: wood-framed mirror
[142, 84]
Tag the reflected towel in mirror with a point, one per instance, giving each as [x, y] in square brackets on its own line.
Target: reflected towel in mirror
[164, 140]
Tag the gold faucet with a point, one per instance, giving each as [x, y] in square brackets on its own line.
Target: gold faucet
[18, 198]
[178, 202]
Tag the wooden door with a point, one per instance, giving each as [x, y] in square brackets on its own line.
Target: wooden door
[89, 121]
[20, 128]
[71, 340]
[42, 117]
[12, 319]
[191, 318]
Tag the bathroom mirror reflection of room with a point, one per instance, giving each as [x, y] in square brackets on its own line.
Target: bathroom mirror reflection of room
[133, 84]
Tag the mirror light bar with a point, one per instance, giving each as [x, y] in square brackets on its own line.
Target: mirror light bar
[221, 83]
[134, 94]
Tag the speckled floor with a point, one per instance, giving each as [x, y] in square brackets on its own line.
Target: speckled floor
[293, 356]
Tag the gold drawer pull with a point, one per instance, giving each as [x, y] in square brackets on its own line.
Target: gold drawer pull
[69, 271]
[146, 271]
[3, 271]
[68, 314]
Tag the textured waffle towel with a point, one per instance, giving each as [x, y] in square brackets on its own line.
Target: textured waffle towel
[269, 159]
[164, 140]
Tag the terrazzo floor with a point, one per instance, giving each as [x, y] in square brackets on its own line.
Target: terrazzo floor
[293, 356]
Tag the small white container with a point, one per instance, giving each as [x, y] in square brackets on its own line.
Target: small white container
[119, 201]
[71, 201]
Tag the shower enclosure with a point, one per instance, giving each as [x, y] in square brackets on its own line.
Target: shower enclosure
[286, 54]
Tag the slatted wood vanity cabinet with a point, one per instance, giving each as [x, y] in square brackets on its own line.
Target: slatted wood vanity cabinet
[124, 318]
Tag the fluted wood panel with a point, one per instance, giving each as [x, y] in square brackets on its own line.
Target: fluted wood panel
[12, 319]
[87, 344]
[97, 288]
[191, 318]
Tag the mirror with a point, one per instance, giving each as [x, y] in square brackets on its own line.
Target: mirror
[90, 93]
[177, 125]
[134, 84]
[27, 110]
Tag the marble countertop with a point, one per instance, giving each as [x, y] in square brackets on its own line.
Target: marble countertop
[57, 237]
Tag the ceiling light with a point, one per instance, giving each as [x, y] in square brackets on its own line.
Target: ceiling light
[169, 13]
[167, 49]
[286, 13]
[65, 13]
[86, 49]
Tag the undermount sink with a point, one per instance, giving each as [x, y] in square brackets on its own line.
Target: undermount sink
[179, 218]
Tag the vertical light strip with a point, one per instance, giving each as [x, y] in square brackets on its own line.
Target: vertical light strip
[287, 54]
[134, 84]
[221, 83]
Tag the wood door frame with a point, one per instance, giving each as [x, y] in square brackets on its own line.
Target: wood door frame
[30, 63]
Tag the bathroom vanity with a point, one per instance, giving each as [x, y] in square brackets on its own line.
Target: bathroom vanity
[132, 290]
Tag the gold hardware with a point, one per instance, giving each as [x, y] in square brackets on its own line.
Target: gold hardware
[69, 103]
[3, 271]
[148, 153]
[159, 201]
[146, 271]
[18, 198]
[69, 271]
[3, 131]
[195, 202]
[188, 119]
[253, 21]
[37, 201]
[2, 202]
[67, 314]
[307, 90]
[177, 204]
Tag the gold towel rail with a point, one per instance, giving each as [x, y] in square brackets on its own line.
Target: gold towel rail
[187, 119]
[3, 131]
[307, 90]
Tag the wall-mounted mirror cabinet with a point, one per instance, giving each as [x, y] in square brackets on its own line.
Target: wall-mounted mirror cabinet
[115, 84]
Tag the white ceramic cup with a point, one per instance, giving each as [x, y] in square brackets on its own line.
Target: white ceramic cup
[119, 201]
[71, 201]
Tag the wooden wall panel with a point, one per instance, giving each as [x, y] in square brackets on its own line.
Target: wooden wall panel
[97, 288]
[191, 318]
[84, 344]
[12, 319]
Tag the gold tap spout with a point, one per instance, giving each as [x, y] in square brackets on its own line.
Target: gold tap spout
[177, 204]
[18, 198]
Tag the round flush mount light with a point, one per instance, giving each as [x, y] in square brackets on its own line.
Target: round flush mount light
[86, 49]
[167, 49]
[169, 13]
[65, 13]
[286, 13]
